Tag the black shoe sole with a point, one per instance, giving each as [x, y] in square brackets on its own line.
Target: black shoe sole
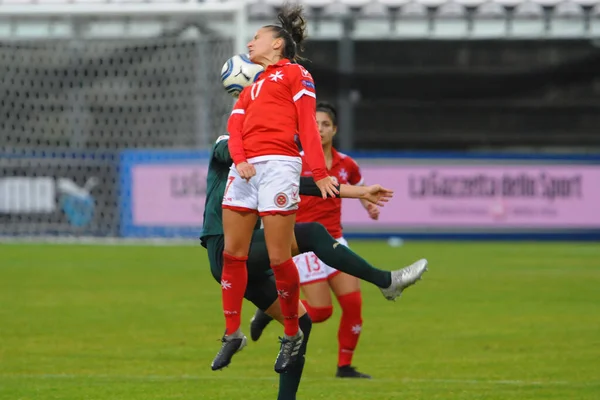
[227, 361]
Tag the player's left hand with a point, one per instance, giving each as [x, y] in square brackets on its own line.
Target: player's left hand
[377, 195]
[373, 211]
[328, 187]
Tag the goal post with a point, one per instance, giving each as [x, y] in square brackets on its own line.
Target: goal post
[84, 86]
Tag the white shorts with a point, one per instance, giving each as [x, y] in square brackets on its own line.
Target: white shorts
[312, 270]
[273, 190]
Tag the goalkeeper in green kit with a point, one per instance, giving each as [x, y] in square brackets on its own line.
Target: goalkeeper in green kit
[261, 290]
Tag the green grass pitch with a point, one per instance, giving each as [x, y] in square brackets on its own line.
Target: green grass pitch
[489, 321]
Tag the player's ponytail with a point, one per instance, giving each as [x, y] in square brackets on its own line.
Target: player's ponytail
[292, 30]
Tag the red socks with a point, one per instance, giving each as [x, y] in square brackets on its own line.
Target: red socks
[350, 323]
[288, 289]
[350, 326]
[234, 279]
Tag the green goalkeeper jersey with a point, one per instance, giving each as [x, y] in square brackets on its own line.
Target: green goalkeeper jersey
[216, 181]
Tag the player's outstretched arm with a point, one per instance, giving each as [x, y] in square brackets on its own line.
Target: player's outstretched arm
[375, 194]
[372, 194]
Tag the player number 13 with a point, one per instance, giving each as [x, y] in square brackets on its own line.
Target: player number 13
[313, 264]
[255, 90]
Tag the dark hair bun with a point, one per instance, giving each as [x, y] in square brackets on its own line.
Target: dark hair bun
[292, 21]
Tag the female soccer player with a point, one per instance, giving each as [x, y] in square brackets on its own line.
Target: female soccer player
[266, 175]
[316, 277]
[261, 289]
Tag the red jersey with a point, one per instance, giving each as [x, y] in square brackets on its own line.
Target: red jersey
[268, 114]
[329, 212]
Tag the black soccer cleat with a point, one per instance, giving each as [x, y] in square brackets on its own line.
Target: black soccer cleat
[258, 323]
[348, 371]
[288, 352]
[229, 346]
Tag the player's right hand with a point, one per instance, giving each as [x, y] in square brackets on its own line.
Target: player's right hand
[246, 170]
[328, 187]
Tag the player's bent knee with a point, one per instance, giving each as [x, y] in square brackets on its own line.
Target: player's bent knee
[236, 248]
[320, 314]
[280, 259]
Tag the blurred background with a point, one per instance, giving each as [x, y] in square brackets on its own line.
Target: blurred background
[482, 116]
[109, 108]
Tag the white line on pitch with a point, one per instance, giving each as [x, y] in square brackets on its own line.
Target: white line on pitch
[274, 379]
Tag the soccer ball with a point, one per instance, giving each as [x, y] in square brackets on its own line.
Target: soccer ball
[239, 72]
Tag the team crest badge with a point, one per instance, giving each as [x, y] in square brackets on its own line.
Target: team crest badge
[281, 200]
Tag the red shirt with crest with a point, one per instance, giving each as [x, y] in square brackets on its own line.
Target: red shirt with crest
[329, 212]
[269, 113]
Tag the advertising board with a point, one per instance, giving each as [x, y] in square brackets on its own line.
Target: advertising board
[165, 195]
[59, 195]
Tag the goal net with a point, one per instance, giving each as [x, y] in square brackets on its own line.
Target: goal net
[83, 86]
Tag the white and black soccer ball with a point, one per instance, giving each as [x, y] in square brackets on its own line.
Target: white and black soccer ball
[239, 72]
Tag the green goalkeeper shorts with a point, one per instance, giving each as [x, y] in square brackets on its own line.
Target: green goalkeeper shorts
[261, 289]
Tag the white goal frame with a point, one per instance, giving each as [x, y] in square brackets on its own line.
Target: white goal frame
[229, 17]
